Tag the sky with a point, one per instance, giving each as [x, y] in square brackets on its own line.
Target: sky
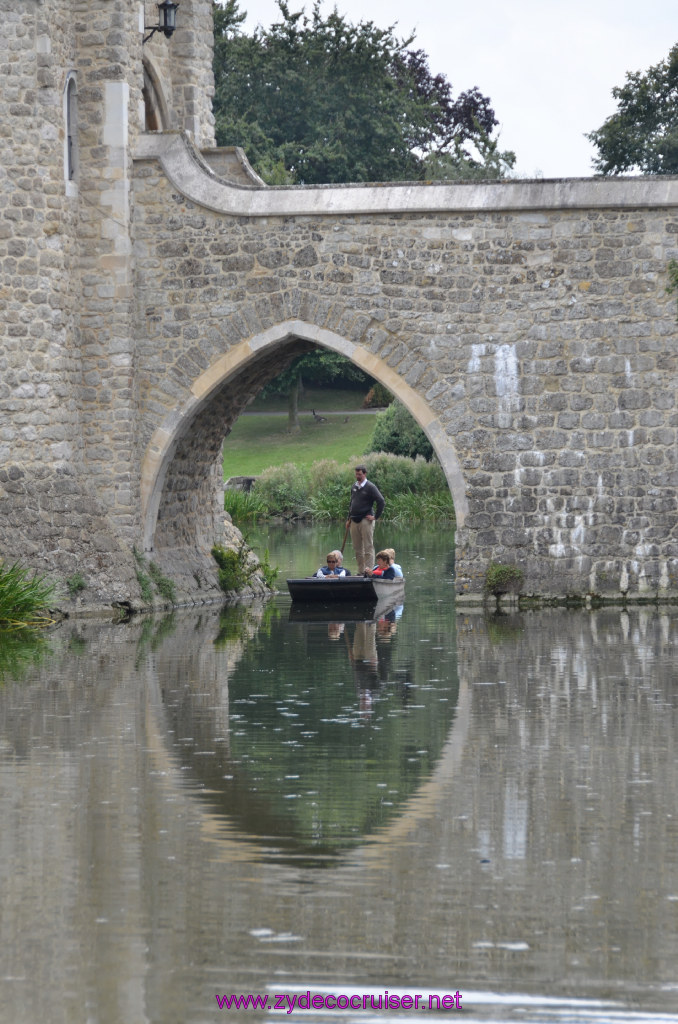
[548, 66]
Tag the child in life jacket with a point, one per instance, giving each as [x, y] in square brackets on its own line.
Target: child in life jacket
[383, 568]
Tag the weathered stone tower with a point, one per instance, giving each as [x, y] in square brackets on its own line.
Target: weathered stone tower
[152, 284]
[78, 85]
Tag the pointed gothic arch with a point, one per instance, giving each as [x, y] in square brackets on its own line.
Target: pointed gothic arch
[225, 371]
[156, 111]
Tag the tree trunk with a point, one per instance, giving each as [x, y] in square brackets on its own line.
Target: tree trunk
[293, 426]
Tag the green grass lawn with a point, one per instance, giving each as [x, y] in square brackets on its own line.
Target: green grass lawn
[258, 440]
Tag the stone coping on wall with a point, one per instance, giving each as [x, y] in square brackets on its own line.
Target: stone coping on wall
[190, 173]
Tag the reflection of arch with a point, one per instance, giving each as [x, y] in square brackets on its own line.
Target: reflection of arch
[177, 424]
[421, 806]
[191, 690]
[156, 111]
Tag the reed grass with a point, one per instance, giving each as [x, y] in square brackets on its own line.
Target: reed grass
[24, 597]
[244, 506]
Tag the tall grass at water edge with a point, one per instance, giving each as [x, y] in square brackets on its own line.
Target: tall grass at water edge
[24, 597]
[415, 491]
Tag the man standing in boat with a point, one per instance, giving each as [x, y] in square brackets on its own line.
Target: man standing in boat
[367, 504]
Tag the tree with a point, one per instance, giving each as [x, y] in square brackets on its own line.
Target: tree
[490, 162]
[396, 431]
[319, 367]
[316, 99]
[643, 133]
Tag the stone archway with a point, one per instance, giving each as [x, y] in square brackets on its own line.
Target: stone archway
[181, 475]
[156, 111]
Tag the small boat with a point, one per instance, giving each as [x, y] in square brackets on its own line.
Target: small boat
[349, 589]
[389, 606]
[343, 611]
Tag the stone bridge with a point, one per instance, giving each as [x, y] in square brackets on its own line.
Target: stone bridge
[151, 284]
[525, 325]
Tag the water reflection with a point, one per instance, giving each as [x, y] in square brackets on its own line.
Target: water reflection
[529, 859]
[329, 742]
[21, 650]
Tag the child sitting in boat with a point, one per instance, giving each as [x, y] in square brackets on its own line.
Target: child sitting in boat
[383, 569]
[397, 569]
[334, 566]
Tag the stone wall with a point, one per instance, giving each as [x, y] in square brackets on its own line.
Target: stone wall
[535, 342]
[69, 489]
[48, 517]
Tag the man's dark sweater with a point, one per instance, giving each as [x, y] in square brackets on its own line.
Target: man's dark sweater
[362, 500]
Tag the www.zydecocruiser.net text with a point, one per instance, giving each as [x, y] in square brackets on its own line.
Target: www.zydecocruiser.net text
[306, 1001]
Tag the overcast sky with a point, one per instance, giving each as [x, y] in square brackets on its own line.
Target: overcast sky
[547, 65]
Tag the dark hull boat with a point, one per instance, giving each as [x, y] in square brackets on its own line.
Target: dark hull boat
[344, 599]
[351, 589]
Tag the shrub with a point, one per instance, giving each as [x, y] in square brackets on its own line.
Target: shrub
[163, 584]
[284, 489]
[75, 583]
[233, 571]
[393, 474]
[329, 486]
[237, 566]
[326, 475]
[413, 488]
[145, 586]
[268, 571]
[149, 576]
[378, 397]
[503, 579]
[429, 477]
[398, 432]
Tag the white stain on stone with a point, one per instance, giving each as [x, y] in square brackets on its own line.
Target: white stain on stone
[474, 362]
[506, 377]
[569, 540]
[664, 578]
[578, 531]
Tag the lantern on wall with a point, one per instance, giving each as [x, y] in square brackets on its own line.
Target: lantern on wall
[167, 20]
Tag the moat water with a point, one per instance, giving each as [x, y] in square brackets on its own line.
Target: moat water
[257, 800]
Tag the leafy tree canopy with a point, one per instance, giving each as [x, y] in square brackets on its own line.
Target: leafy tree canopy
[319, 367]
[396, 431]
[643, 133]
[316, 99]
